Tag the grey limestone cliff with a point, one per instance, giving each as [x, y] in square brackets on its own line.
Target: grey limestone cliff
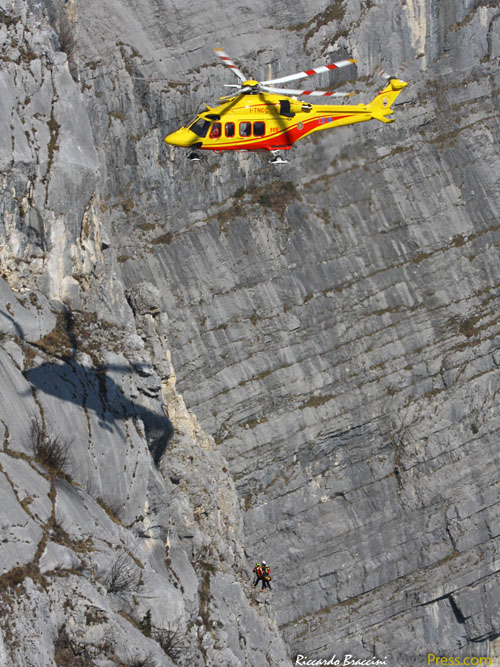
[109, 555]
[332, 325]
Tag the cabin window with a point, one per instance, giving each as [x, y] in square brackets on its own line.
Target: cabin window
[245, 129]
[259, 128]
[215, 131]
[200, 127]
[229, 129]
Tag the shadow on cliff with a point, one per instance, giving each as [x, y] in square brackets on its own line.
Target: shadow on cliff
[93, 389]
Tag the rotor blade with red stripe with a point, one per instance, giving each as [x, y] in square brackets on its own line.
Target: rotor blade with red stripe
[313, 93]
[229, 63]
[311, 72]
[237, 92]
[381, 72]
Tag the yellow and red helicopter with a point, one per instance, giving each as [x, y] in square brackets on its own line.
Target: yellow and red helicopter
[262, 117]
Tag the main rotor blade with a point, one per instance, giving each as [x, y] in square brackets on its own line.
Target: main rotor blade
[237, 93]
[311, 72]
[229, 63]
[314, 93]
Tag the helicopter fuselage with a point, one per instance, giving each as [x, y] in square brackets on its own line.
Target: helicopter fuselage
[267, 121]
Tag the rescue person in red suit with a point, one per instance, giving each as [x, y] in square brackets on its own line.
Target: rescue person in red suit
[259, 573]
[262, 571]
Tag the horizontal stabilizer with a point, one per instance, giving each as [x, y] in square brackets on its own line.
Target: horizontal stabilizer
[382, 118]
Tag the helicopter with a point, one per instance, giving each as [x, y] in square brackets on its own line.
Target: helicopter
[260, 116]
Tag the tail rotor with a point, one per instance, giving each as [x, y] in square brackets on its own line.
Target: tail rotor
[382, 73]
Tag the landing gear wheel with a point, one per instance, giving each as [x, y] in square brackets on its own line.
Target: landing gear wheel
[194, 157]
[277, 158]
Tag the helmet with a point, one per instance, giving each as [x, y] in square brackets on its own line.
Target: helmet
[264, 562]
[258, 564]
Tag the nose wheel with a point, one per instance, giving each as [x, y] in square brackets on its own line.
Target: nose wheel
[194, 156]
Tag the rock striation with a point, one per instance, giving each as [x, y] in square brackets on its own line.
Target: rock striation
[332, 326]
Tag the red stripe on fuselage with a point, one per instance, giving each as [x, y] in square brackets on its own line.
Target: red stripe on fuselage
[282, 140]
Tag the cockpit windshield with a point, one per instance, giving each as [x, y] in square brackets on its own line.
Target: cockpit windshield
[200, 127]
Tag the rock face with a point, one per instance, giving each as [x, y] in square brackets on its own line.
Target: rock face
[112, 552]
[332, 326]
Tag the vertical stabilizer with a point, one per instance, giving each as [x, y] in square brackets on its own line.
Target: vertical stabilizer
[381, 107]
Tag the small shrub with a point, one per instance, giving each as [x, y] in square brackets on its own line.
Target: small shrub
[59, 535]
[288, 186]
[67, 652]
[51, 451]
[122, 577]
[207, 566]
[163, 239]
[145, 626]
[147, 661]
[13, 577]
[265, 199]
[67, 43]
[171, 639]
[468, 327]
[113, 510]
[173, 643]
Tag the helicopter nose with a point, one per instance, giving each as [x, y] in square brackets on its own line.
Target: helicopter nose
[178, 138]
[173, 139]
